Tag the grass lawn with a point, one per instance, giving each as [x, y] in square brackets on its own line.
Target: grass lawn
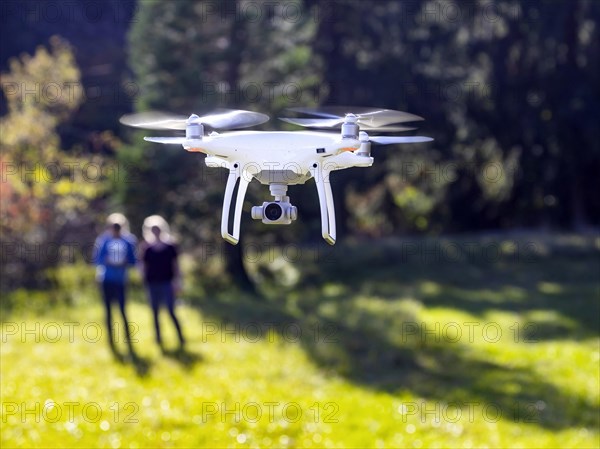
[372, 349]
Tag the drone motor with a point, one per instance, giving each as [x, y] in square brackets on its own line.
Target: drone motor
[350, 127]
[193, 128]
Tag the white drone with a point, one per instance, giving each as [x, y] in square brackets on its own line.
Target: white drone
[281, 158]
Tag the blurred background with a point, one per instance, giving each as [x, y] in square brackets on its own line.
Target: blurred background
[494, 223]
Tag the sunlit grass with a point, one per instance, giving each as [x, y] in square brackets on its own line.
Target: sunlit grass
[409, 357]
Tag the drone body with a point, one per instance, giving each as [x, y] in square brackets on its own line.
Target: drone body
[279, 158]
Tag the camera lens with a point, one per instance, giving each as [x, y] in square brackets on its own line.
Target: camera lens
[273, 211]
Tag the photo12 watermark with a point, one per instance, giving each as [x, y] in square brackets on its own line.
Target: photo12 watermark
[253, 252]
[271, 411]
[52, 172]
[422, 251]
[71, 92]
[448, 92]
[467, 332]
[51, 411]
[469, 411]
[36, 12]
[451, 171]
[66, 331]
[434, 12]
[272, 12]
[254, 332]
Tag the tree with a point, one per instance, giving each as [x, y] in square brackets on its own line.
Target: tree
[44, 190]
[509, 87]
[186, 57]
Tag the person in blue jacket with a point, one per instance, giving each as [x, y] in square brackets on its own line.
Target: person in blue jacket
[114, 254]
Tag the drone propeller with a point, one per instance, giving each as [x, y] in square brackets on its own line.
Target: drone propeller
[387, 140]
[335, 122]
[382, 140]
[219, 119]
[167, 140]
[368, 119]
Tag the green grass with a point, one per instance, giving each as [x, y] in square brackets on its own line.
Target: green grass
[361, 352]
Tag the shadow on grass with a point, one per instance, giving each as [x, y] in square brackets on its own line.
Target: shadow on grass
[368, 353]
[183, 356]
[565, 284]
[141, 365]
[352, 325]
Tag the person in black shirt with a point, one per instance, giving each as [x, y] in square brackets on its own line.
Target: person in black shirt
[160, 272]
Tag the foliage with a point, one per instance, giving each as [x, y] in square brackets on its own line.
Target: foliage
[185, 60]
[43, 187]
[508, 93]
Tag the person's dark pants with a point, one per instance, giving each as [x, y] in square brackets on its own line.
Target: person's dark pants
[162, 293]
[115, 291]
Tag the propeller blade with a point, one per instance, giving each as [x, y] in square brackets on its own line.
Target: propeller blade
[388, 129]
[367, 117]
[220, 119]
[167, 140]
[319, 112]
[232, 119]
[387, 140]
[386, 117]
[314, 122]
[337, 122]
[154, 120]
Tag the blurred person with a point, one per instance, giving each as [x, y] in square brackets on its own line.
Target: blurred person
[125, 232]
[114, 253]
[160, 268]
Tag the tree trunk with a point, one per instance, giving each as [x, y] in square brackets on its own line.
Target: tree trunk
[234, 254]
[234, 259]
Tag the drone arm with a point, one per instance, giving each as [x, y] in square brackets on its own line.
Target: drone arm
[325, 202]
[234, 175]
